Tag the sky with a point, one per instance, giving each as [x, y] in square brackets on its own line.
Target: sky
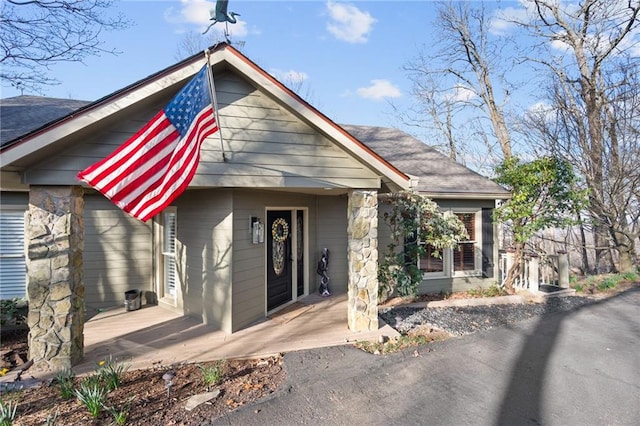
[346, 57]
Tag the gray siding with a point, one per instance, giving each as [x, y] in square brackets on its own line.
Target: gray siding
[332, 234]
[117, 254]
[266, 146]
[205, 250]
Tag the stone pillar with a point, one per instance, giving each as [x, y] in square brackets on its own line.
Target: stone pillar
[534, 273]
[362, 257]
[563, 269]
[54, 234]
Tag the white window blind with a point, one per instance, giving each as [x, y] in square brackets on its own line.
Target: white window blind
[169, 252]
[13, 280]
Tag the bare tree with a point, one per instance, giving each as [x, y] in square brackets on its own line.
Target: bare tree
[461, 74]
[35, 35]
[586, 49]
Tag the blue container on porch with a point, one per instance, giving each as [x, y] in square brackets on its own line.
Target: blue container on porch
[132, 300]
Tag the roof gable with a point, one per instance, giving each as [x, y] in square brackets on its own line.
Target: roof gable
[169, 80]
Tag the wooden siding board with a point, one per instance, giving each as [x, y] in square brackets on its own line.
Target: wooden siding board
[204, 231]
[117, 253]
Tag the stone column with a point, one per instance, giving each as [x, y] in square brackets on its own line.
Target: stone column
[563, 269]
[362, 257]
[54, 234]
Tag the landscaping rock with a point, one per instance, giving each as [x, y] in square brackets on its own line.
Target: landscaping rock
[196, 400]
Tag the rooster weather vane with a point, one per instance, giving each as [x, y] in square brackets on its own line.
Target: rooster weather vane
[220, 14]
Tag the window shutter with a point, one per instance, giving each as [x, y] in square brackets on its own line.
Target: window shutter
[487, 243]
[169, 252]
[13, 274]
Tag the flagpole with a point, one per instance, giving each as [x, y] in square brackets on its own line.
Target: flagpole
[212, 92]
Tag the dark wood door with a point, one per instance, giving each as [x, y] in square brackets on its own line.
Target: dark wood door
[279, 276]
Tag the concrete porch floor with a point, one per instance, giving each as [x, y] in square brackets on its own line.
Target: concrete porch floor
[155, 336]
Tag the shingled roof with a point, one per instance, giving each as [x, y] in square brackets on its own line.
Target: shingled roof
[23, 114]
[437, 174]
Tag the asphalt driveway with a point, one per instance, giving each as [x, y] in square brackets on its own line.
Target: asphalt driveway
[580, 367]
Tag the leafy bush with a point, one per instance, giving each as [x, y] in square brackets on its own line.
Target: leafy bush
[413, 220]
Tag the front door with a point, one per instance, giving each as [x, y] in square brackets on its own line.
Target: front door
[279, 267]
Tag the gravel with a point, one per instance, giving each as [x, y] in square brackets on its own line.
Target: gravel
[461, 320]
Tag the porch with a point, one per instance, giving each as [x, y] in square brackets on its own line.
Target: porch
[154, 336]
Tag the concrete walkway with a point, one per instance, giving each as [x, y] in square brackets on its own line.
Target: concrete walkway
[580, 367]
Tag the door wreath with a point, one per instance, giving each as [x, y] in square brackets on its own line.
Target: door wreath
[280, 230]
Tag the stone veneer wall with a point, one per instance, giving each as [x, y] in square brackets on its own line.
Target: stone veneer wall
[54, 233]
[362, 256]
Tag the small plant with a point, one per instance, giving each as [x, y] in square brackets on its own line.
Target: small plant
[630, 276]
[64, 378]
[7, 412]
[52, 420]
[11, 311]
[120, 414]
[212, 373]
[92, 396]
[493, 290]
[110, 373]
[579, 288]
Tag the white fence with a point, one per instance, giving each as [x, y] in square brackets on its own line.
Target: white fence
[551, 269]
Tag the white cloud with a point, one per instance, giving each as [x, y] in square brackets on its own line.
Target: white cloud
[460, 94]
[379, 89]
[348, 23]
[290, 76]
[196, 13]
[504, 21]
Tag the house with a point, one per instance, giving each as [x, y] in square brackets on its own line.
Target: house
[281, 183]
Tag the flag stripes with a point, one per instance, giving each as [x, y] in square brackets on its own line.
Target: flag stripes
[154, 166]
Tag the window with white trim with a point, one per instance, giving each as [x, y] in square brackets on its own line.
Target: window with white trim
[169, 222]
[462, 261]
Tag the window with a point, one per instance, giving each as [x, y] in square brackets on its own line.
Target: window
[169, 217]
[463, 260]
[429, 262]
[12, 259]
[464, 257]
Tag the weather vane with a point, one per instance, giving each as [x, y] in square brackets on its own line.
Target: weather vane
[220, 14]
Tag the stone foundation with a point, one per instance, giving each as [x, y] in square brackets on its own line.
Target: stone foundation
[362, 256]
[54, 234]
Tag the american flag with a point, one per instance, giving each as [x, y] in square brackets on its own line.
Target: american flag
[153, 167]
